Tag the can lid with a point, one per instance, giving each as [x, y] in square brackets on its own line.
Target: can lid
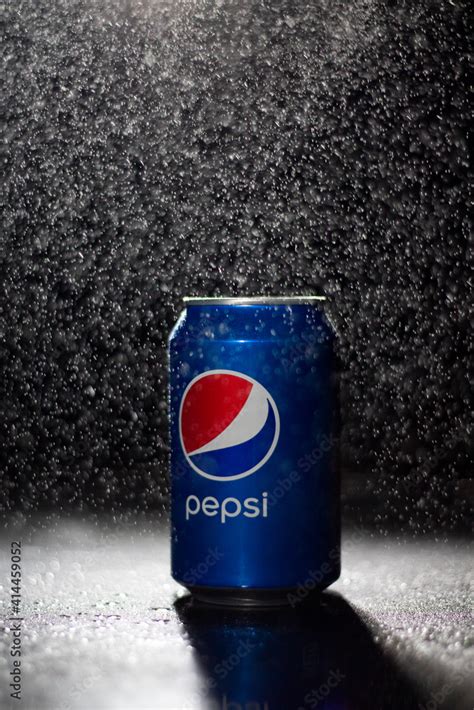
[250, 300]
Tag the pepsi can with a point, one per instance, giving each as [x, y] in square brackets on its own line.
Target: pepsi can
[254, 449]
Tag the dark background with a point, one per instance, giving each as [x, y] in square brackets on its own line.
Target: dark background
[157, 149]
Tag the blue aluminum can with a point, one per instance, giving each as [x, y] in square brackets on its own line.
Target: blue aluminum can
[254, 449]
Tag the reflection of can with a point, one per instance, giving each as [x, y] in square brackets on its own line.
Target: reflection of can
[253, 401]
[263, 659]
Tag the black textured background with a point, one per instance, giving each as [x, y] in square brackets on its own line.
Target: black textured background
[155, 149]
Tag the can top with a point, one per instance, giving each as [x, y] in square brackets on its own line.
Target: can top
[251, 300]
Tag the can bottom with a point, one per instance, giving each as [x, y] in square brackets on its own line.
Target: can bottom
[242, 597]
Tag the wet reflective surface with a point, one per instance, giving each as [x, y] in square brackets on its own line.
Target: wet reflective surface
[105, 628]
[318, 654]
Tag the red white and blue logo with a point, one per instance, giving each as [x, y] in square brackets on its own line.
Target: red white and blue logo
[228, 425]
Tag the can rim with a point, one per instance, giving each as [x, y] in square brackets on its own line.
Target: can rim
[251, 300]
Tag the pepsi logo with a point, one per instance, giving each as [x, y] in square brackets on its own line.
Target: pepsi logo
[228, 425]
